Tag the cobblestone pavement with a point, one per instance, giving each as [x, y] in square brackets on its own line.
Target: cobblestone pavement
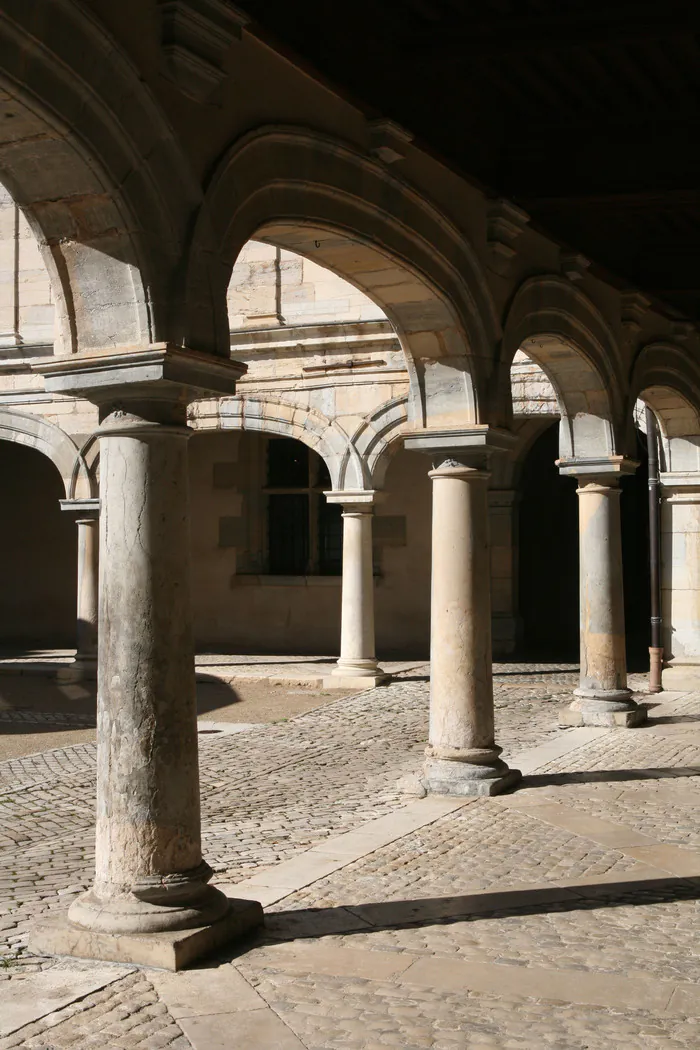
[594, 946]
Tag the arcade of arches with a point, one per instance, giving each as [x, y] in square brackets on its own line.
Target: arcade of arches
[415, 428]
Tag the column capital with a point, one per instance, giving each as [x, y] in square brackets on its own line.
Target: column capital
[601, 470]
[462, 469]
[357, 500]
[81, 509]
[470, 447]
[159, 372]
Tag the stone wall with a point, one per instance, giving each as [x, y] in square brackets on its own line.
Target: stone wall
[533, 393]
[238, 604]
[26, 298]
[272, 286]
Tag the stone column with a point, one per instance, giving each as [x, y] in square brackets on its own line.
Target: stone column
[149, 869]
[462, 757]
[86, 512]
[602, 697]
[680, 579]
[357, 666]
[150, 877]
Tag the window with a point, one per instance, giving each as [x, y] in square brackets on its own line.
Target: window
[304, 531]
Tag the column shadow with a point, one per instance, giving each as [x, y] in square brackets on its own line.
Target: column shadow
[605, 776]
[313, 923]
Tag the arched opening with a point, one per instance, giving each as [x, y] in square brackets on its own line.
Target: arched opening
[39, 545]
[548, 583]
[322, 357]
[350, 215]
[266, 545]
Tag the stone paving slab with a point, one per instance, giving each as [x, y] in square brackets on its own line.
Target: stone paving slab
[38, 994]
[541, 919]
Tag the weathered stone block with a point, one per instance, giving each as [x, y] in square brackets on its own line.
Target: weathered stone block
[167, 951]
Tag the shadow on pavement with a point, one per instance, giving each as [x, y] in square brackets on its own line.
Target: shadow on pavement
[363, 918]
[535, 780]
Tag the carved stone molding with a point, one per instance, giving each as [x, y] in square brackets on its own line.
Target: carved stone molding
[388, 141]
[196, 36]
[633, 306]
[504, 225]
[574, 266]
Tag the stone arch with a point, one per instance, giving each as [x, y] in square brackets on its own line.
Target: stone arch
[666, 377]
[378, 437]
[85, 482]
[326, 201]
[53, 442]
[566, 335]
[98, 173]
[278, 416]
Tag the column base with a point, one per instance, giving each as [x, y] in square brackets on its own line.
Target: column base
[613, 708]
[356, 674]
[171, 950]
[444, 777]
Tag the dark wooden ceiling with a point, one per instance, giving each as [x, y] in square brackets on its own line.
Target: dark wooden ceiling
[584, 113]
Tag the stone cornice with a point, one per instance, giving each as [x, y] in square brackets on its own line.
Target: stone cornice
[358, 498]
[458, 441]
[81, 509]
[597, 466]
[159, 370]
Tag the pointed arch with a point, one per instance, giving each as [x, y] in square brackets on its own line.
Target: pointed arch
[566, 335]
[326, 201]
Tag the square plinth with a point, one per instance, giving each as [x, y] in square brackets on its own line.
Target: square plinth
[172, 950]
[471, 788]
[609, 719]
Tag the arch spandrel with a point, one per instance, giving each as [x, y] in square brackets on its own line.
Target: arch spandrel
[327, 202]
[98, 173]
[567, 336]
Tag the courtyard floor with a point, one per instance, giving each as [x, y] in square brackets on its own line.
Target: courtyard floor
[562, 916]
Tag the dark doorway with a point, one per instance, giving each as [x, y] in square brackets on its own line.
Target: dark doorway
[548, 583]
[39, 554]
[548, 578]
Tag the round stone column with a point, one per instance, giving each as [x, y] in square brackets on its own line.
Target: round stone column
[602, 697]
[85, 513]
[680, 579]
[88, 588]
[149, 872]
[357, 665]
[462, 757]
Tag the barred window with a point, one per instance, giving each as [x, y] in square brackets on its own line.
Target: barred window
[304, 531]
